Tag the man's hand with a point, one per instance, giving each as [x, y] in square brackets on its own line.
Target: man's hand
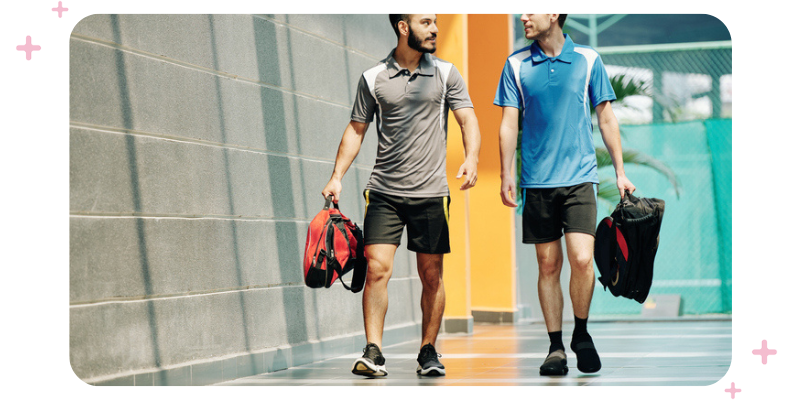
[624, 184]
[333, 188]
[469, 170]
[508, 192]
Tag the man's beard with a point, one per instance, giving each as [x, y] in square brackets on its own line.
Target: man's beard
[416, 44]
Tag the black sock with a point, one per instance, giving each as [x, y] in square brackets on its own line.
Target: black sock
[580, 326]
[582, 345]
[555, 341]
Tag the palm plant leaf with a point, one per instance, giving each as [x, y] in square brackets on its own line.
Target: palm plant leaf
[624, 87]
[638, 158]
[607, 193]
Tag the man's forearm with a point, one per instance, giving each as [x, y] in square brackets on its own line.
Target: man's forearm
[611, 138]
[348, 150]
[509, 130]
[609, 130]
[471, 137]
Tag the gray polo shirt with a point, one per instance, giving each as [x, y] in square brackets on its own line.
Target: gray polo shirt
[411, 112]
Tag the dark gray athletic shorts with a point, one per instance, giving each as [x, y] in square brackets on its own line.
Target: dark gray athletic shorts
[548, 212]
[427, 221]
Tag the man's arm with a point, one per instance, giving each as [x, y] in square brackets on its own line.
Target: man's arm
[348, 150]
[471, 136]
[509, 129]
[609, 129]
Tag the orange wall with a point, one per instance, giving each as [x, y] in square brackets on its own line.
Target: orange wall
[480, 273]
[491, 223]
[452, 47]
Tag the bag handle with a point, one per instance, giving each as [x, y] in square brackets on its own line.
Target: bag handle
[628, 197]
[328, 201]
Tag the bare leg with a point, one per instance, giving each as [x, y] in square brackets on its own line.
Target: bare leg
[429, 267]
[550, 258]
[375, 301]
[580, 248]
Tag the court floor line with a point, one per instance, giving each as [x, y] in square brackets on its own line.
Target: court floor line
[467, 381]
[612, 337]
[396, 356]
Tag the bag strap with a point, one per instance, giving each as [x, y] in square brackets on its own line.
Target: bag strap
[359, 266]
[328, 201]
[339, 224]
[629, 197]
[360, 270]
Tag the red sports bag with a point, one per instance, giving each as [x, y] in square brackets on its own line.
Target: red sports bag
[334, 246]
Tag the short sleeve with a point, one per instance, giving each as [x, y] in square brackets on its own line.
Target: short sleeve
[600, 88]
[364, 105]
[457, 95]
[507, 94]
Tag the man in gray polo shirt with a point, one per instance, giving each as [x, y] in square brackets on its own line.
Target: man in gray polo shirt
[408, 94]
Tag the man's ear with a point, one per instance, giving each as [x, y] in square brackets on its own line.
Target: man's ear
[402, 26]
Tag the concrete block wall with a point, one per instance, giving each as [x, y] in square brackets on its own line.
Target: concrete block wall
[199, 145]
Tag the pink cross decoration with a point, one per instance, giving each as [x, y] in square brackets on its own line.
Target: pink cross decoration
[733, 390]
[28, 48]
[60, 9]
[764, 352]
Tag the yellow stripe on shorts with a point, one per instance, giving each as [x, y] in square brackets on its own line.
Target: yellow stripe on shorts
[366, 196]
[446, 212]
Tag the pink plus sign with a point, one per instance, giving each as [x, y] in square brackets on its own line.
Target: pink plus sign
[28, 48]
[60, 9]
[733, 390]
[764, 352]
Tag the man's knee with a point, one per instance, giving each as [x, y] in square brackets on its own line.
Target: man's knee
[379, 263]
[582, 263]
[429, 268]
[431, 279]
[378, 270]
[549, 264]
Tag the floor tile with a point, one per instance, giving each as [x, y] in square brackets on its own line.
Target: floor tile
[653, 353]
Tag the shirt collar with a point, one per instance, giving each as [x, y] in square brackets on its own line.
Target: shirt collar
[567, 52]
[425, 65]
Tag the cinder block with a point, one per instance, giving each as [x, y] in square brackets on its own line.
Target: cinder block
[123, 258]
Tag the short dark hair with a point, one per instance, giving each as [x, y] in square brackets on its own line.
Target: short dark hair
[561, 19]
[394, 19]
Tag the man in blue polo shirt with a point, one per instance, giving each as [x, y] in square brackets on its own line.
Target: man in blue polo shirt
[553, 83]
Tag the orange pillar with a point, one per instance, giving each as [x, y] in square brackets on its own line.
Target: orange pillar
[452, 47]
[492, 254]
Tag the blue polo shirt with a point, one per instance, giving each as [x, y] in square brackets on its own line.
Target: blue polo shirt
[554, 95]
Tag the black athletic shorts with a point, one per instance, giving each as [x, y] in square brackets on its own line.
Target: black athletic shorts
[548, 212]
[427, 221]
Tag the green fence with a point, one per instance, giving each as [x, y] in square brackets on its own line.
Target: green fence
[694, 256]
[681, 115]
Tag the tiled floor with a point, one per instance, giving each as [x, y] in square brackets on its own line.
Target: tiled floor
[683, 353]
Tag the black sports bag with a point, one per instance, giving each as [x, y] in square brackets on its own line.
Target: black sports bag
[626, 244]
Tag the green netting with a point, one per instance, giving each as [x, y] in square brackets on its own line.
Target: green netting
[677, 84]
[720, 147]
[694, 256]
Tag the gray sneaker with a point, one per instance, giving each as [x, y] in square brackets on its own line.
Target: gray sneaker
[428, 360]
[371, 363]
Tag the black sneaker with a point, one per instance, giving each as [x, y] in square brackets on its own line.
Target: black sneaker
[371, 363]
[428, 360]
[555, 364]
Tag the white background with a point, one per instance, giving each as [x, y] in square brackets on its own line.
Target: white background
[34, 197]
